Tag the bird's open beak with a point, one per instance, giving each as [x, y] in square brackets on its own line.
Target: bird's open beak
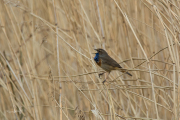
[93, 53]
[96, 50]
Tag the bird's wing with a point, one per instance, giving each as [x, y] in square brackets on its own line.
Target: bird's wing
[108, 60]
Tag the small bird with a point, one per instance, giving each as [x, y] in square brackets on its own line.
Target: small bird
[107, 63]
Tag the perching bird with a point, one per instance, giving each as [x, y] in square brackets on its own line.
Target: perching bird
[107, 63]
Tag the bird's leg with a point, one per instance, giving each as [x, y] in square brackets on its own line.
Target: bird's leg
[106, 78]
[101, 74]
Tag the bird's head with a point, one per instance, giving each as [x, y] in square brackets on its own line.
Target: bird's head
[101, 51]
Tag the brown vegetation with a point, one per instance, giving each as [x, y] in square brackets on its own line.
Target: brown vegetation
[48, 71]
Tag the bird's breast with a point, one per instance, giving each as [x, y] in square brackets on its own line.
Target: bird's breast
[99, 62]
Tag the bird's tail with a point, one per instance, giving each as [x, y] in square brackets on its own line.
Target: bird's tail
[124, 71]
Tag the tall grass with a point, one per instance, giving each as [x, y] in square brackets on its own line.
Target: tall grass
[48, 71]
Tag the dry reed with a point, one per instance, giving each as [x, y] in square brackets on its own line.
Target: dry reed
[47, 66]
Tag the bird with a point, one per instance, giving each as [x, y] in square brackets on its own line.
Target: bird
[107, 63]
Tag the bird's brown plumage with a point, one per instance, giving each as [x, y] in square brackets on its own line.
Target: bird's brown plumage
[108, 63]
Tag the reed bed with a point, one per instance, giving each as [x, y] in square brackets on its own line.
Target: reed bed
[48, 71]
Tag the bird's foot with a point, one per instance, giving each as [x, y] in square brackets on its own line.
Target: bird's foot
[100, 74]
[104, 81]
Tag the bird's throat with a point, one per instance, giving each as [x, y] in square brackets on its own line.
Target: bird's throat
[96, 58]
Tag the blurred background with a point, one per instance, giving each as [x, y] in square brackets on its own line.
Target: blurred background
[47, 71]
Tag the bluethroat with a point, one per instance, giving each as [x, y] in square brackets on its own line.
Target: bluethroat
[107, 63]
